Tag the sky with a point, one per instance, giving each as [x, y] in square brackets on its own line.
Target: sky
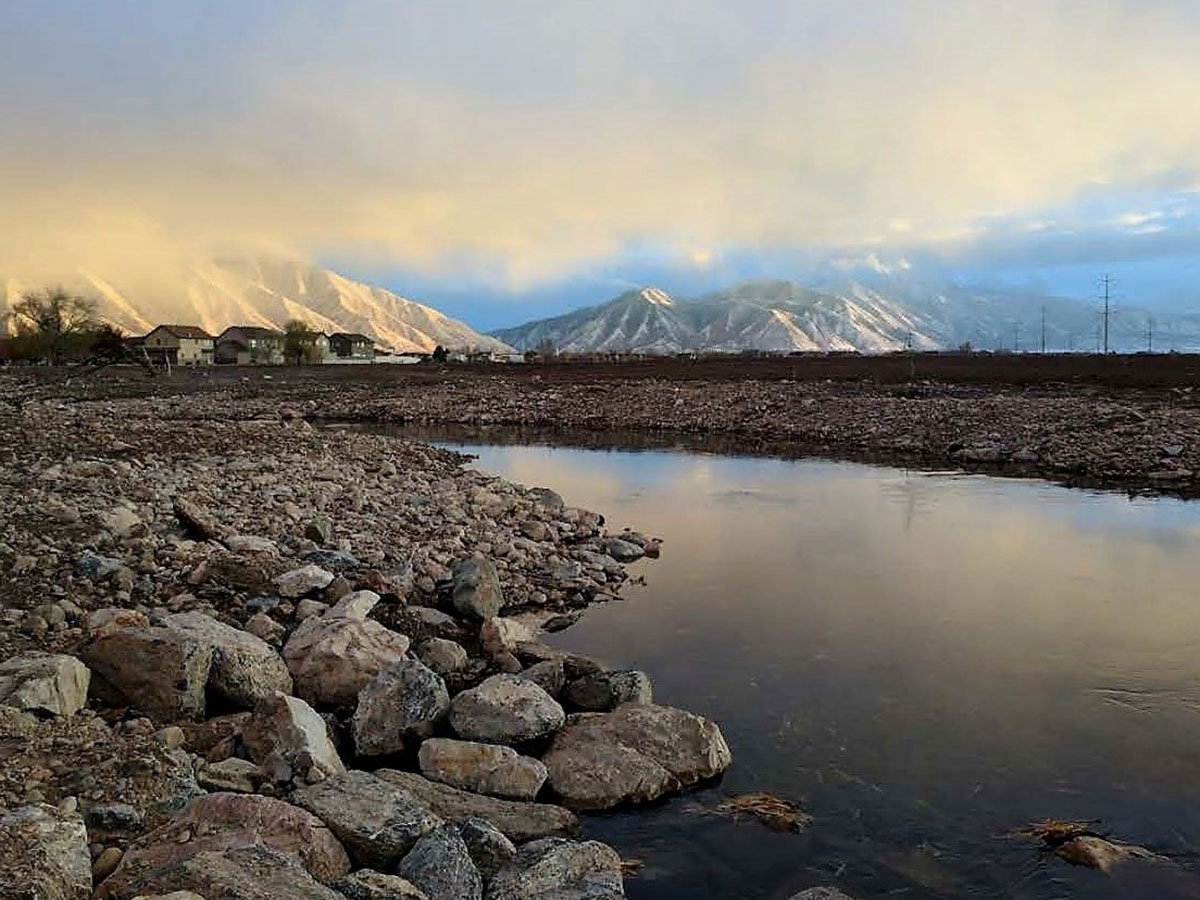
[511, 160]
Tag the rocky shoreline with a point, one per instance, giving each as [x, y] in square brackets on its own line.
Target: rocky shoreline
[242, 657]
[1139, 440]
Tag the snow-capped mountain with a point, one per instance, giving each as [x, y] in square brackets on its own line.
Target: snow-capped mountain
[646, 320]
[270, 292]
[871, 315]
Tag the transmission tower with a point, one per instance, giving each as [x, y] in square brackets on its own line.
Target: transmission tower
[1106, 284]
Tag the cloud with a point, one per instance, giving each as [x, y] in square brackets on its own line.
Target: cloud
[529, 137]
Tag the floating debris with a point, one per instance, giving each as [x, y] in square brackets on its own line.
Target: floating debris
[774, 812]
[632, 867]
[1078, 844]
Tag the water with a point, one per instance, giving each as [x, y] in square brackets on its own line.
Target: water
[925, 663]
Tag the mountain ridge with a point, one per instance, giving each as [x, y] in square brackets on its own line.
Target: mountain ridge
[269, 292]
[879, 314]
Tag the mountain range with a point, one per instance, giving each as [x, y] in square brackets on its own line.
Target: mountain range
[270, 292]
[869, 315]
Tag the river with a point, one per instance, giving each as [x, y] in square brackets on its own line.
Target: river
[925, 663]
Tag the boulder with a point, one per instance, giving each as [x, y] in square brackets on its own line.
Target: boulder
[44, 683]
[290, 740]
[232, 774]
[216, 823]
[441, 866]
[499, 634]
[367, 884]
[44, 854]
[112, 618]
[518, 821]
[475, 588]
[505, 709]
[482, 768]
[301, 581]
[443, 656]
[821, 893]
[355, 605]
[558, 869]
[623, 551]
[332, 658]
[632, 755]
[489, 848]
[403, 703]
[605, 691]
[242, 873]
[245, 669]
[548, 675]
[159, 670]
[377, 821]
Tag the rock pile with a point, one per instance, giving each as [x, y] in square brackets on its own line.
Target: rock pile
[229, 648]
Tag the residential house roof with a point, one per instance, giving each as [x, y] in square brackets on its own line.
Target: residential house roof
[252, 331]
[351, 336]
[195, 332]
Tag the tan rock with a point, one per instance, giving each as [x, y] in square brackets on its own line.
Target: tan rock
[215, 823]
[290, 740]
[332, 658]
[482, 768]
[159, 670]
[44, 683]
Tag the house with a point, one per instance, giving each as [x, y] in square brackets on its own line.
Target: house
[249, 345]
[350, 345]
[179, 345]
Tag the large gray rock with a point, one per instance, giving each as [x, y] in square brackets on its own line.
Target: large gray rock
[332, 658]
[241, 873]
[476, 588]
[505, 709]
[44, 854]
[482, 768]
[377, 821]
[488, 846]
[558, 869]
[159, 670]
[244, 669]
[367, 884]
[289, 740]
[402, 704]
[44, 683]
[518, 821]
[443, 656]
[622, 550]
[547, 674]
[633, 755]
[821, 893]
[441, 866]
[301, 581]
[605, 691]
[224, 821]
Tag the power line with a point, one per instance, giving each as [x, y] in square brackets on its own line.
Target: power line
[1106, 282]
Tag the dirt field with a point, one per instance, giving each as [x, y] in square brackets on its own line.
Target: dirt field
[1122, 422]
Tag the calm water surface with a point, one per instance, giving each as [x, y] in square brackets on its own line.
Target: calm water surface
[925, 663]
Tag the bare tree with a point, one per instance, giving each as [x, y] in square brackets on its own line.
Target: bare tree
[54, 321]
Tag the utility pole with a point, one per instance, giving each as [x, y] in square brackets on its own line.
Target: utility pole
[1016, 337]
[1107, 284]
[1150, 334]
[1043, 330]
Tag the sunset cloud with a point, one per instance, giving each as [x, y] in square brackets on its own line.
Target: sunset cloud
[529, 137]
